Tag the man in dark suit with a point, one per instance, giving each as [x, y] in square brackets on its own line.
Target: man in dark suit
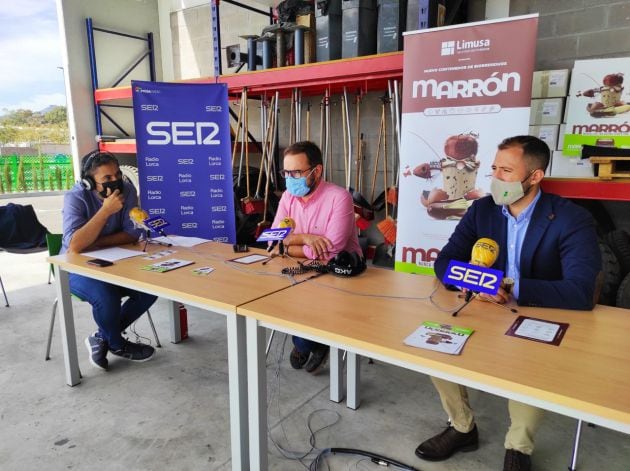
[548, 246]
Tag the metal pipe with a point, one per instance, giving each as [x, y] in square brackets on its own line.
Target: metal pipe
[94, 74]
[298, 42]
[266, 39]
[251, 50]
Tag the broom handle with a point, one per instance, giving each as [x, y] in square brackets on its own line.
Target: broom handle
[238, 128]
[378, 156]
[385, 160]
[273, 145]
[345, 141]
[265, 153]
[321, 123]
[246, 143]
[308, 121]
[358, 125]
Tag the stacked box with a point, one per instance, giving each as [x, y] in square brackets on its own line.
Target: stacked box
[547, 133]
[546, 111]
[550, 83]
[570, 167]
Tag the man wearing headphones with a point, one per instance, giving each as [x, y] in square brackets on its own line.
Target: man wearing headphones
[96, 215]
[324, 226]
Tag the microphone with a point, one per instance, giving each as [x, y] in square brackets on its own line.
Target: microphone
[484, 253]
[138, 216]
[476, 276]
[285, 223]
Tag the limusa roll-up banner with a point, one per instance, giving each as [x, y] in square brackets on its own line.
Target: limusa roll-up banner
[184, 162]
[465, 89]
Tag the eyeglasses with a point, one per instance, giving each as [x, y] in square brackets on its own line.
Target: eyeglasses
[295, 173]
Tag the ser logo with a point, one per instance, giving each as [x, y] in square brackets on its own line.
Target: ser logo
[182, 133]
[274, 234]
[473, 277]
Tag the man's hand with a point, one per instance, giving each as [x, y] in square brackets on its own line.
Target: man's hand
[113, 202]
[318, 244]
[501, 297]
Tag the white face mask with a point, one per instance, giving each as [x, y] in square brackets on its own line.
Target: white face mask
[507, 193]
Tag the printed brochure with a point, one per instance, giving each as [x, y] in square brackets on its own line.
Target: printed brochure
[439, 337]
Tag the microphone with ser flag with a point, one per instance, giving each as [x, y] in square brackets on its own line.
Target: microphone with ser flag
[476, 276]
[141, 220]
[484, 253]
[285, 223]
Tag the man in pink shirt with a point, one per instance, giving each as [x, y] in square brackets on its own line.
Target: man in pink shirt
[324, 226]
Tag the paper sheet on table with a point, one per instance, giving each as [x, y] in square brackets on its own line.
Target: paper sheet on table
[181, 241]
[113, 253]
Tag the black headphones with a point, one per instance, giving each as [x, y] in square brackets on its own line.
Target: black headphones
[87, 180]
[347, 264]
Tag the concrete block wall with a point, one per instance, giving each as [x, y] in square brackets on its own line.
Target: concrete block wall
[192, 37]
[577, 29]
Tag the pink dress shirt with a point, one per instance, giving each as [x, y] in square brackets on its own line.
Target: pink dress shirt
[328, 212]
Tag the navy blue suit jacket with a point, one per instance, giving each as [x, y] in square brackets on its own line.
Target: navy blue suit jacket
[560, 257]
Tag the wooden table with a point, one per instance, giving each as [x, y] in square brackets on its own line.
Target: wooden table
[586, 377]
[229, 286]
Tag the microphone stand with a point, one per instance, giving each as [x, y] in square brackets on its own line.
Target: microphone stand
[464, 305]
[147, 236]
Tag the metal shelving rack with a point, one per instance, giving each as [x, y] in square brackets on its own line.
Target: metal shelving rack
[367, 73]
[148, 54]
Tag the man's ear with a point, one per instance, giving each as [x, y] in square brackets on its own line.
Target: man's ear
[537, 176]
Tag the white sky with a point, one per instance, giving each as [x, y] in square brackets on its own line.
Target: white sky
[30, 54]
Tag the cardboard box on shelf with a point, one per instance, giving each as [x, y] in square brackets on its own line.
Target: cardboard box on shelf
[599, 110]
[561, 130]
[546, 111]
[550, 83]
[570, 167]
[547, 133]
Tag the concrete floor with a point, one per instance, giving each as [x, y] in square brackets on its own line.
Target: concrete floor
[172, 412]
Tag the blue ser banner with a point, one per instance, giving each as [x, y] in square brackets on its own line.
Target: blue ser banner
[184, 162]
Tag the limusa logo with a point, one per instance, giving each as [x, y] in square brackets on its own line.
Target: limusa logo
[450, 48]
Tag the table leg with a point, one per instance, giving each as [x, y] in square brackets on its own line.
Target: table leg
[68, 336]
[354, 377]
[336, 375]
[176, 328]
[237, 365]
[576, 445]
[257, 381]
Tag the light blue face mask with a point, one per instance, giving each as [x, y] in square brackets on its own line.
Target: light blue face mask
[298, 186]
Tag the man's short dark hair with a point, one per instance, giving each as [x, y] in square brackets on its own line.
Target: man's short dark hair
[90, 162]
[535, 151]
[313, 154]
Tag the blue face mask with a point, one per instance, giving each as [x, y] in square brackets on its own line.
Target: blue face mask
[298, 186]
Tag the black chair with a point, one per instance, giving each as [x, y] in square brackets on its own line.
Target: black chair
[20, 233]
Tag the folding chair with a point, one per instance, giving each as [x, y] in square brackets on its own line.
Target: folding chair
[54, 247]
[6, 300]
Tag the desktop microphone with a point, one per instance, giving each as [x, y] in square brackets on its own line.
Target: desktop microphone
[284, 223]
[484, 254]
[138, 216]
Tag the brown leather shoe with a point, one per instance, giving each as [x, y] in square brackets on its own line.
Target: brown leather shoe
[443, 445]
[516, 461]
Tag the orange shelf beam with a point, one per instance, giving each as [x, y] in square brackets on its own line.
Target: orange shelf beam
[594, 189]
[367, 73]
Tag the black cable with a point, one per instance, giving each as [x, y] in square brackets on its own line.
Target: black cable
[375, 458]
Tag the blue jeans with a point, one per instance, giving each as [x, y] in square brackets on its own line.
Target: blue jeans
[109, 315]
[305, 346]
